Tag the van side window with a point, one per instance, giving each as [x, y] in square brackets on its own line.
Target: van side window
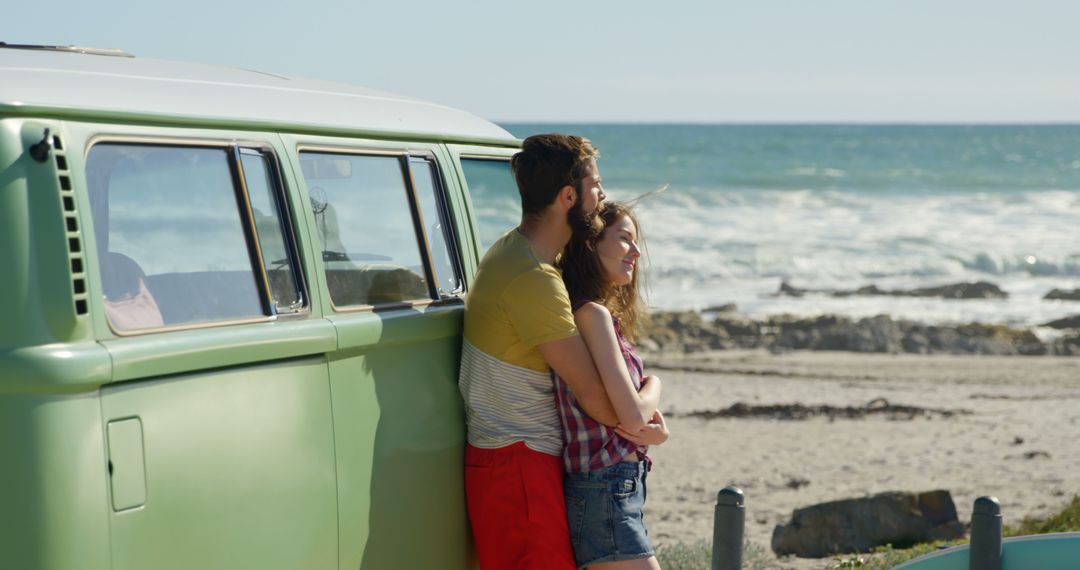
[364, 220]
[170, 228]
[170, 237]
[437, 226]
[266, 209]
[496, 203]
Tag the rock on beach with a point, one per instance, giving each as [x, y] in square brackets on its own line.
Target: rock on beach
[858, 525]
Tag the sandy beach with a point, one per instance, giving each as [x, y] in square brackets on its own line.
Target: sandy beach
[1003, 426]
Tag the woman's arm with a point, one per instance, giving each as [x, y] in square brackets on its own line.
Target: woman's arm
[654, 432]
[633, 408]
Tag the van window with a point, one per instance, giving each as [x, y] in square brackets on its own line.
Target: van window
[266, 209]
[429, 195]
[365, 222]
[495, 198]
[170, 238]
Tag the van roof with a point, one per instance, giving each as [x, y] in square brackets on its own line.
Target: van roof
[76, 82]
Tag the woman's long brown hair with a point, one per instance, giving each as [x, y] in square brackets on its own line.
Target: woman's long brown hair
[585, 278]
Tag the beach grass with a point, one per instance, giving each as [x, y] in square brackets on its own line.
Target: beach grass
[698, 556]
[1067, 520]
[884, 557]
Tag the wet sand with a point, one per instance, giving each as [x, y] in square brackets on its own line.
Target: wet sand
[1012, 430]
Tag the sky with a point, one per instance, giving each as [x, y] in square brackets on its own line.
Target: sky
[700, 61]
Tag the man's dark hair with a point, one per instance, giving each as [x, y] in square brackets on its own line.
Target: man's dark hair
[545, 164]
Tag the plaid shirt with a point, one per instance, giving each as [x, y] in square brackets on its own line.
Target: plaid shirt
[590, 445]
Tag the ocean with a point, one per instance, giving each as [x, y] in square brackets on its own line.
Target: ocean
[844, 206]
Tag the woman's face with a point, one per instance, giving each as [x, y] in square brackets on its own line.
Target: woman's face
[618, 251]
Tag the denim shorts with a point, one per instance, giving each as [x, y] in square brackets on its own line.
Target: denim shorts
[603, 509]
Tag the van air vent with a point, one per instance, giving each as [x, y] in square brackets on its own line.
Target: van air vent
[71, 227]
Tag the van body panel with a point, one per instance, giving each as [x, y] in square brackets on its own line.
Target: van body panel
[398, 416]
[239, 469]
[53, 479]
[144, 90]
[54, 368]
[159, 354]
[39, 296]
[400, 431]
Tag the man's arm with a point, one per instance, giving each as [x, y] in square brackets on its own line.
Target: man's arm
[570, 359]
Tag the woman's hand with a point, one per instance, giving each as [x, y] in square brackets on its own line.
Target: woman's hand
[653, 433]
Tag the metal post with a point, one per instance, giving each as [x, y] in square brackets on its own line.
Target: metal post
[986, 535]
[728, 524]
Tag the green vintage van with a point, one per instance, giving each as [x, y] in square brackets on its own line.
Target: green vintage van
[234, 306]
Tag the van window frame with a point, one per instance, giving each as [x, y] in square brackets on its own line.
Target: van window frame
[446, 213]
[461, 158]
[458, 151]
[285, 218]
[403, 155]
[232, 150]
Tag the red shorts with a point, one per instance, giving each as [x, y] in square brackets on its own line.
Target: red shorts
[516, 508]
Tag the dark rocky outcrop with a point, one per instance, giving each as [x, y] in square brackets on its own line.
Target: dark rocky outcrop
[971, 290]
[975, 290]
[1072, 322]
[858, 525]
[877, 334]
[687, 331]
[1063, 295]
[1066, 346]
[792, 291]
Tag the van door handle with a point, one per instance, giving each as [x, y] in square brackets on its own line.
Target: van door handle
[127, 464]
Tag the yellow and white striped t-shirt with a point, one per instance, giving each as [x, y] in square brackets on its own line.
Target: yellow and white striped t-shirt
[516, 303]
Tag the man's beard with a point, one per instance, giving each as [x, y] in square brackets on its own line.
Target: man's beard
[584, 225]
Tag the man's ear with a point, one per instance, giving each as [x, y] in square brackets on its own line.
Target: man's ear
[567, 196]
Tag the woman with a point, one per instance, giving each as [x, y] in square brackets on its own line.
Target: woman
[606, 468]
